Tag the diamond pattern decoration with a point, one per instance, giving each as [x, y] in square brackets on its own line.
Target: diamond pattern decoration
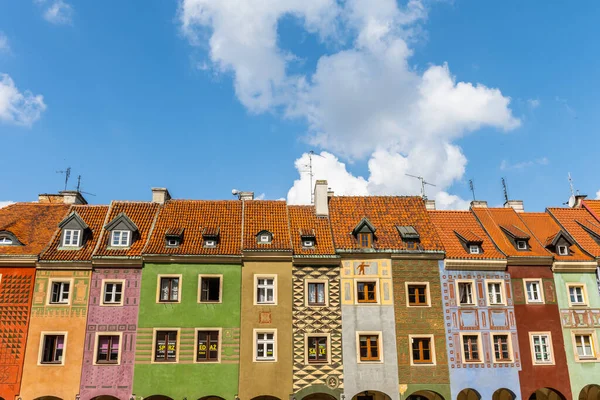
[15, 289]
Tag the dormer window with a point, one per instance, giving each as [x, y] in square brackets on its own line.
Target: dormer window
[308, 238]
[172, 242]
[474, 249]
[264, 237]
[364, 233]
[71, 238]
[120, 238]
[409, 236]
[308, 243]
[517, 236]
[5, 241]
[470, 241]
[365, 239]
[560, 243]
[210, 243]
[174, 237]
[210, 237]
[8, 239]
[521, 245]
[562, 250]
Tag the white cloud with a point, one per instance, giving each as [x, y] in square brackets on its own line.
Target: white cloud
[533, 103]
[57, 12]
[598, 195]
[6, 203]
[365, 101]
[19, 108]
[4, 45]
[506, 165]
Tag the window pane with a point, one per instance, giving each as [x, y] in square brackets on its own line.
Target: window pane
[164, 289]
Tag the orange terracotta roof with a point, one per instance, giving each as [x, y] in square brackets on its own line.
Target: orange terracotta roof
[574, 220]
[94, 217]
[142, 214]
[452, 224]
[543, 226]
[269, 215]
[32, 223]
[515, 232]
[593, 206]
[385, 213]
[194, 217]
[304, 222]
[493, 218]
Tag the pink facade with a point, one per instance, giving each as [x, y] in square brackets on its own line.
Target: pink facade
[108, 368]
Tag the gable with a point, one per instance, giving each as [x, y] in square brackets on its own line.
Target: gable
[364, 226]
[121, 222]
[73, 221]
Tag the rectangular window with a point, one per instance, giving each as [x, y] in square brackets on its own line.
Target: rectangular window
[541, 348]
[562, 250]
[52, 349]
[471, 348]
[365, 239]
[534, 291]
[316, 293]
[166, 346]
[417, 295]
[317, 349]
[369, 348]
[421, 350]
[71, 238]
[474, 249]
[108, 349]
[113, 293]
[576, 295]
[465, 293]
[120, 238]
[585, 346]
[208, 346]
[169, 289]
[265, 290]
[501, 348]
[365, 292]
[210, 289]
[521, 245]
[265, 346]
[60, 293]
[494, 293]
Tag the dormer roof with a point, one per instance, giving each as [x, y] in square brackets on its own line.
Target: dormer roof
[408, 232]
[74, 217]
[363, 226]
[121, 222]
[174, 233]
[9, 235]
[581, 225]
[515, 232]
[211, 232]
[468, 236]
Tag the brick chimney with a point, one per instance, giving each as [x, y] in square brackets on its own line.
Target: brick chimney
[160, 195]
[63, 197]
[516, 205]
[246, 195]
[479, 204]
[321, 198]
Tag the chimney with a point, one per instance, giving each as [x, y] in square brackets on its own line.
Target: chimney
[578, 200]
[430, 204]
[63, 197]
[321, 198]
[246, 196]
[160, 195]
[479, 204]
[516, 205]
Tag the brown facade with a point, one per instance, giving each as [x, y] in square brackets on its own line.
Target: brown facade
[539, 318]
[415, 321]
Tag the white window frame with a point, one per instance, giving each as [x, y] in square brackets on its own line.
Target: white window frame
[173, 242]
[325, 288]
[540, 291]
[103, 292]
[591, 333]
[179, 291]
[51, 283]
[71, 234]
[153, 351]
[43, 334]
[6, 241]
[97, 338]
[427, 294]
[502, 292]
[474, 249]
[519, 242]
[511, 354]
[120, 238]
[255, 334]
[209, 243]
[219, 342]
[473, 292]
[562, 253]
[480, 349]
[379, 335]
[432, 350]
[220, 276]
[258, 286]
[325, 335]
[548, 335]
[308, 243]
[583, 294]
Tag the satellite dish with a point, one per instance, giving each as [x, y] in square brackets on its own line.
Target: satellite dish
[571, 202]
[235, 192]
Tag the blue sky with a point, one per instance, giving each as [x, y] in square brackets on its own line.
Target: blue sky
[203, 98]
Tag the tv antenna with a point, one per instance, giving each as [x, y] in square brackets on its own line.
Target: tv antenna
[67, 173]
[472, 188]
[423, 183]
[571, 202]
[311, 154]
[505, 190]
[79, 187]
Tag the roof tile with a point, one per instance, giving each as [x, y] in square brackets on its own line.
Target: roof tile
[304, 223]
[266, 215]
[572, 220]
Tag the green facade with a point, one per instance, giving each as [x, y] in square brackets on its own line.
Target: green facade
[581, 319]
[186, 378]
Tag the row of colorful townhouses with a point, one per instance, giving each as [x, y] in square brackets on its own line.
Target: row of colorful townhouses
[352, 298]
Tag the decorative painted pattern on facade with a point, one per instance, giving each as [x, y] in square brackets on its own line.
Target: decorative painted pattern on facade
[77, 307]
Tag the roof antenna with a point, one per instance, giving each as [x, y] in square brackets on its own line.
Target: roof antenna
[311, 154]
[423, 183]
[571, 202]
[79, 187]
[505, 190]
[67, 173]
[472, 188]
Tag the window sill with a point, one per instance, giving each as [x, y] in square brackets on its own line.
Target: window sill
[264, 360]
[58, 304]
[210, 302]
[370, 362]
[51, 364]
[105, 364]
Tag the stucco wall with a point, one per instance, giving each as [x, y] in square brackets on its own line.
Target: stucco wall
[187, 378]
[369, 376]
[56, 380]
[16, 286]
[586, 319]
[539, 318]
[486, 377]
[114, 380]
[266, 378]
